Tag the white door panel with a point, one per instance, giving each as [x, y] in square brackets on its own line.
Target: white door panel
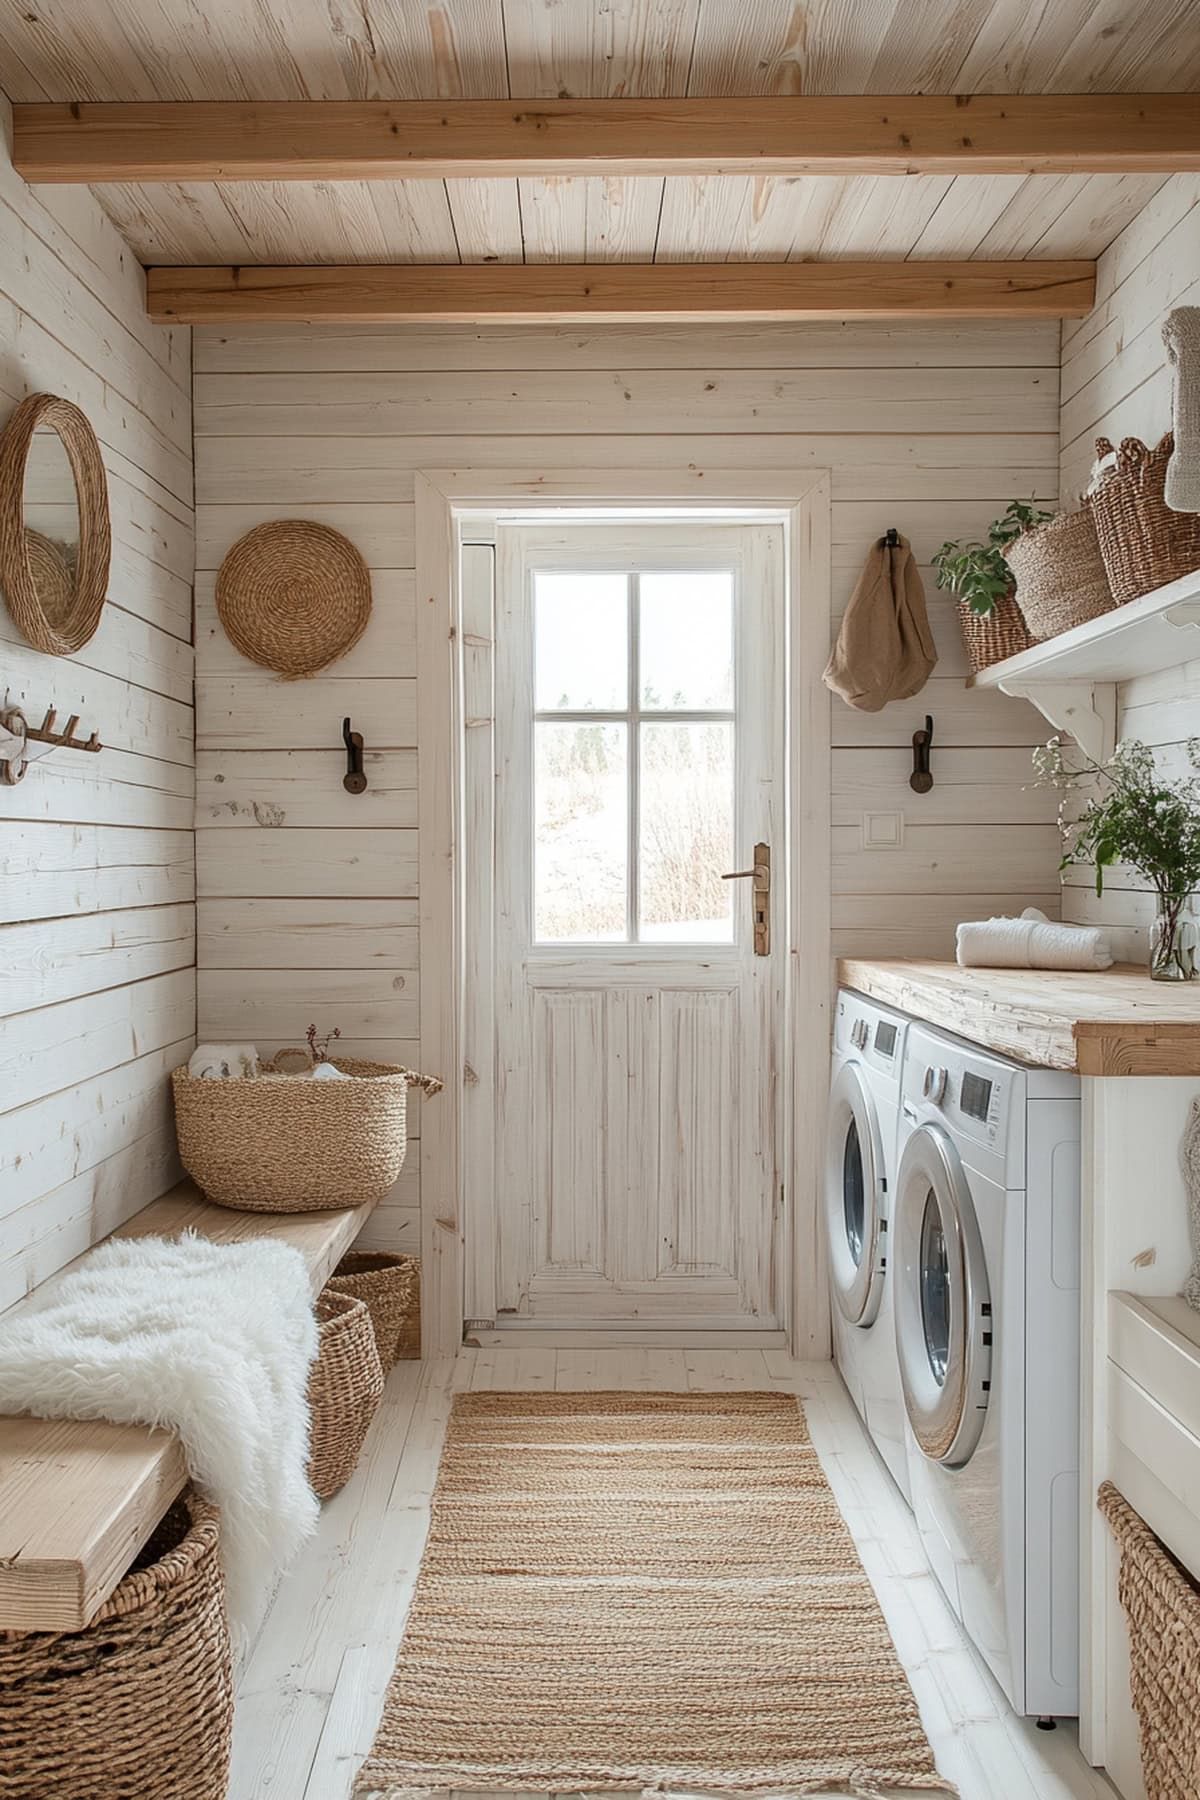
[637, 762]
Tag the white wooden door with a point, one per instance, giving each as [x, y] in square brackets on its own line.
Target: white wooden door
[637, 717]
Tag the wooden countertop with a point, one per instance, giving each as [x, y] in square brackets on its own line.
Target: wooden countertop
[1112, 1022]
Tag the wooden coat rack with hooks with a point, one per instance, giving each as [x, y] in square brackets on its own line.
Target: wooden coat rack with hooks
[16, 735]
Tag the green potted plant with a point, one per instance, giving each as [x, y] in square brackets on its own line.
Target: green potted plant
[1132, 815]
[983, 584]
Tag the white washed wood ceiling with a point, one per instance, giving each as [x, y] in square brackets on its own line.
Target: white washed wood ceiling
[531, 49]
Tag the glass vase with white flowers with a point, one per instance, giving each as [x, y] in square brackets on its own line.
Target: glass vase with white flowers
[1131, 814]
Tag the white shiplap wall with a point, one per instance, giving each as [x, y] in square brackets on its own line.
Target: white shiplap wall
[97, 921]
[307, 895]
[1115, 384]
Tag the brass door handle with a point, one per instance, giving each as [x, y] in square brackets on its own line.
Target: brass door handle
[760, 875]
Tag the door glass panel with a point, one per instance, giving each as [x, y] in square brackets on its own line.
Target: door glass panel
[580, 832]
[580, 641]
[854, 1193]
[935, 1289]
[686, 640]
[686, 832]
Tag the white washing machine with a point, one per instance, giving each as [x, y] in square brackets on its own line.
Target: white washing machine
[987, 1335]
[860, 1172]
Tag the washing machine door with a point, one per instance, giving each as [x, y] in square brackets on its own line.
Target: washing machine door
[855, 1198]
[942, 1299]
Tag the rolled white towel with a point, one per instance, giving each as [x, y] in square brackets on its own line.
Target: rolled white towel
[1031, 942]
[229, 1062]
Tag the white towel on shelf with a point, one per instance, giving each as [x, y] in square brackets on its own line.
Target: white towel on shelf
[212, 1342]
[1031, 942]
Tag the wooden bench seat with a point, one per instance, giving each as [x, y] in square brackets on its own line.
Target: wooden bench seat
[78, 1500]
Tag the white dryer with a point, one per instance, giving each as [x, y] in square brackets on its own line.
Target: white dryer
[987, 1336]
[860, 1172]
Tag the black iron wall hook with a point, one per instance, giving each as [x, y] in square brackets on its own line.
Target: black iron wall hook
[354, 780]
[921, 779]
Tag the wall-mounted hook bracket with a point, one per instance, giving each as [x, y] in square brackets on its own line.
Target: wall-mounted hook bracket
[921, 779]
[17, 734]
[355, 779]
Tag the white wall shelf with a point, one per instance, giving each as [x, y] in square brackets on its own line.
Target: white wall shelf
[1072, 679]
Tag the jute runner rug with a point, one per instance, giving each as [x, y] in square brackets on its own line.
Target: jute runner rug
[644, 1591]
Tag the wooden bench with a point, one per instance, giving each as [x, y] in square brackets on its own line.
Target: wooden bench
[78, 1500]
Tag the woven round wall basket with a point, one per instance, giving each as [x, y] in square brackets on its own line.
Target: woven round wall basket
[139, 1704]
[1060, 574]
[285, 1143]
[294, 596]
[344, 1391]
[390, 1288]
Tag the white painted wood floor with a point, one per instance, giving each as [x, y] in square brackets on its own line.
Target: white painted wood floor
[313, 1684]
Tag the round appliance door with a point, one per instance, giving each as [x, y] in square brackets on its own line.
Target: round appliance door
[942, 1299]
[854, 1198]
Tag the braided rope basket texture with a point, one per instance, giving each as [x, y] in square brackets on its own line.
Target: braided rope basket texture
[1060, 574]
[1143, 542]
[991, 637]
[1162, 1605]
[345, 1387]
[282, 1143]
[390, 1288]
[138, 1705]
[294, 596]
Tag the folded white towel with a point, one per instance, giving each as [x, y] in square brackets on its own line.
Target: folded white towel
[237, 1062]
[1031, 942]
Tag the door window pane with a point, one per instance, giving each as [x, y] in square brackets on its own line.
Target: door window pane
[854, 1194]
[686, 639]
[935, 1289]
[580, 832]
[686, 832]
[581, 642]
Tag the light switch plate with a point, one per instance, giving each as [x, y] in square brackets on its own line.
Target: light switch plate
[882, 830]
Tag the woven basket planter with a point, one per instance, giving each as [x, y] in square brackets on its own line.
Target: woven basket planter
[990, 637]
[282, 1143]
[344, 1391]
[1162, 1605]
[390, 1289]
[138, 1705]
[1143, 542]
[1060, 574]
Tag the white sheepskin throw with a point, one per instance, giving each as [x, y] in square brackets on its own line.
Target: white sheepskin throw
[1181, 335]
[211, 1342]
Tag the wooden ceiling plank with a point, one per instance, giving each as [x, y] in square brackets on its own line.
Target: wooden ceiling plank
[559, 48]
[810, 135]
[618, 292]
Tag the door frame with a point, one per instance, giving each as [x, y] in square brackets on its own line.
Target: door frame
[800, 499]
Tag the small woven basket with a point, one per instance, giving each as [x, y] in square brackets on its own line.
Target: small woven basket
[991, 637]
[390, 1288]
[1060, 574]
[1143, 542]
[294, 596]
[284, 1143]
[139, 1704]
[1162, 1604]
[345, 1387]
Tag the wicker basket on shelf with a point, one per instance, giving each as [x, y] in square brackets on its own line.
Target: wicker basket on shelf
[345, 1387]
[1162, 1604]
[991, 637]
[390, 1288]
[286, 1143]
[1144, 543]
[139, 1704]
[1060, 574]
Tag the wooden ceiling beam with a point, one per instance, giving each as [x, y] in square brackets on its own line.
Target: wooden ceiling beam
[353, 140]
[618, 293]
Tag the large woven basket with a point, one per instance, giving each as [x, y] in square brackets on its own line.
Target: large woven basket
[1162, 1604]
[990, 637]
[390, 1288]
[139, 1704]
[1060, 574]
[345, 1387]
[284, 1143]
[1143, 542]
